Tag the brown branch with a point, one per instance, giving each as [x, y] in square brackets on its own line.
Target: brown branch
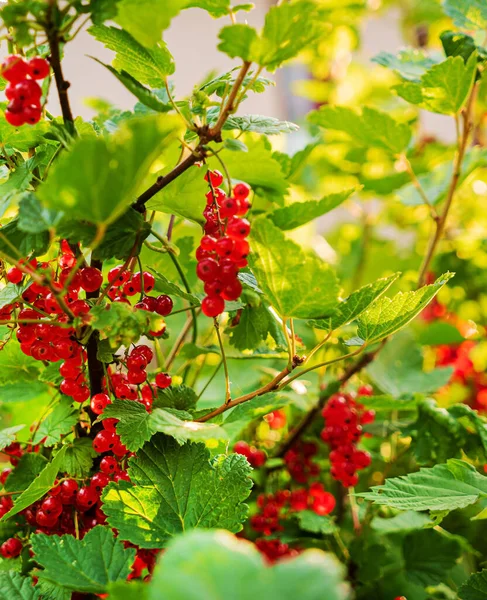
[205, 135]
[95, 366]
[55, 59]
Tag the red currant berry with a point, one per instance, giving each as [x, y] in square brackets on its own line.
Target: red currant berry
[38, 67]
[232, 291]
[27, 91]
[99, 481]
[14, 275]
[16, 119]
[215, 177]
[207, 269]
[45, 520]
[91, 279]
[109, 465]
[11, 548]
[99, 402]
[163, 380]
[164, 305]
[241, 191]
[118, 276]
[52, 506]
[86, 498]
[243, 448]
[14, 69]
[238, 228]
[32, 114]
[212, 306]
[104, 441]
[137, 376]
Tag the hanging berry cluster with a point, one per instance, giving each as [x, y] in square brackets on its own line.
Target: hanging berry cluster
[23, 91]
[299, 461]
[344, 418]
[223, 249]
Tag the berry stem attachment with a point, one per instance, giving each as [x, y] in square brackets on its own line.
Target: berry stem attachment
[228, 393]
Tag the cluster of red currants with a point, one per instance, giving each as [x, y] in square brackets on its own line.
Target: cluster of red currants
[344, 418]
[275, 509]
[256, 457]
[223, 249]
[299, 461]
[23, 91]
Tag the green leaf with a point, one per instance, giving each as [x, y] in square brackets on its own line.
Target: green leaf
[428, 556]
[22, 138]
[475, 588]
[387, 316]
[278, 265]
[299, 213]
[444, 88]
[11, 293]
[254, 326]
[288, 29]
[175, 488]
[145, 20]
[259, 124]
[257, 167]
[133, 590]
[406, 521]
[372, 127]
[447, 487]
[15, 587]
[353, 306]
[388, 403]
[409, 63]
[235, 145]
[122, 238]
[183, 431]
[321, 524]
[33, 217]
[216, 8]
[467, 14]
[58, 423]
[150, 66]
[436, 181]
[460, 44]
[86, 565]
[214, 564]
[8, 435]
[135, 426]
[179, 397]
[256, 408]
[400, 370]
[24, 391]
[121, 323]
[164, 286]
[39, 487]
[16, 366]
[26, 243]
[78, 460]
[142, 93]
[28, 468]
[51, 591]
[99, 178]
[185, 196]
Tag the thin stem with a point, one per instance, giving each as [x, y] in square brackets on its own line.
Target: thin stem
[318, 346]
[175, 106]
[212, 377]
[415, 181]
[457, 166]
[232, 102]
[341, 545]
[288, 342]
[178, 343]
[228, 393]
[293, 337]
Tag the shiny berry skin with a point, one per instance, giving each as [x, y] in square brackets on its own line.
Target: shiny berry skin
[80, 307]
[228, 271]
[14, 275]
[163, 380]
[104, 441]
[109, 465]
[16, 119]
[238, 228]
[208, 243]
[148, 280]
[240, 251]
[14, 68]
[212, 306]
[243, 448]
[38, 67]
[136, 362]
[207, 269]
[117, 276]
[213, 288]
[164, 305]
[91, 279]
[144, 351]
[99, 402]
[52, 506]
[81, 394]
[11, 548]
[232, 291]
[224, 247]
[137, 376]
[32, 114]
[86, 498]
[215, 177]
[257, 458]
[122, 476]
[110, 424]
[45, 520]
[241, 191]
[27, 91]
[119, 449]
[99, 481]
